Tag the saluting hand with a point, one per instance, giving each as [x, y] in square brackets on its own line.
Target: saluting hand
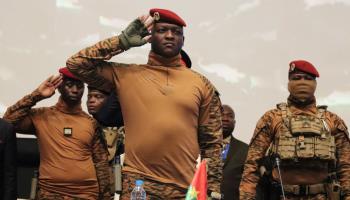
[48, 87]
[137, 33]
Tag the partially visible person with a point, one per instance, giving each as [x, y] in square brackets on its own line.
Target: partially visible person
[233, 155]
[73, 159]
[103, 106]
[8, 172]
[95, 100]
[110, 117]
[306, 147]
[110, 113]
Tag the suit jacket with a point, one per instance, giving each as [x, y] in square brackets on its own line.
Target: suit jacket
[8, 172]
[233, 169]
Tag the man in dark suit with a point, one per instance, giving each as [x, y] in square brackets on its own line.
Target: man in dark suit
[8, 190]
[233, 155]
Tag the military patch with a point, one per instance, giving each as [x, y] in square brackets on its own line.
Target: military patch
[67, 132]
[156, 16]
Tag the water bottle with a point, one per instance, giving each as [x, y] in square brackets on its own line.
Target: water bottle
[138, 193]
[117, 175]
[34, 185]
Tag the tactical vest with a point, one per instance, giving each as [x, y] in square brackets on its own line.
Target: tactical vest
[113, 136]
[303, 137]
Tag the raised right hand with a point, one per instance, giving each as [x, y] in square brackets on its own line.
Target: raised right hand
[137, 33]
[47, 88]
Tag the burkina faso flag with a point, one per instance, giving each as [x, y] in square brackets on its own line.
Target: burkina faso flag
[198, 187]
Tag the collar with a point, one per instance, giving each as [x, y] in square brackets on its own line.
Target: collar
[157, 60]
[63, 107]
[226, 140]
[299, 107]
[301, 104]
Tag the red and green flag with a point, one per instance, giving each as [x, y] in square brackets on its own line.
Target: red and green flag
[198, 187]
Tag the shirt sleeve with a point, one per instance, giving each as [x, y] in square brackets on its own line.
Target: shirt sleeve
[91, 66]
[262, 138]
[20, 114]
[342, 143]
[100, 159]
[210, 135]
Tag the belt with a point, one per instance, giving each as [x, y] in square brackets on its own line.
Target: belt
[305, 189]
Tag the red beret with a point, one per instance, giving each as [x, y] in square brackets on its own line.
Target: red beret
[65, 72]
[304, 66]
[166, 16]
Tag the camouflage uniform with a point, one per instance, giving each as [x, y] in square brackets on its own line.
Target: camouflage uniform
[268, 130]
[89, 65]
[114, 139]
[20, 116]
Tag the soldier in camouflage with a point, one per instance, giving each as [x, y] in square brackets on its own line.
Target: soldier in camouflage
[73, 159]
[171, 113]
[307, 147]
[112, 131]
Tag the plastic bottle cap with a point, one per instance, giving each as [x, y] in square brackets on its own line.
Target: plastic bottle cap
[139, 182]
